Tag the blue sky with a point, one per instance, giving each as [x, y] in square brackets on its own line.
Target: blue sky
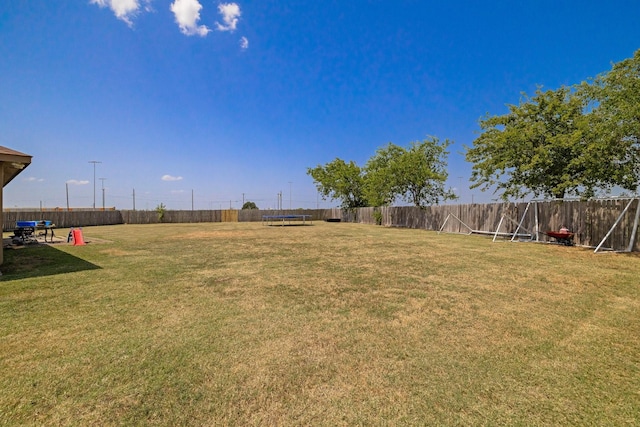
[217, 102]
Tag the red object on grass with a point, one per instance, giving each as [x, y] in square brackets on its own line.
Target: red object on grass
[78, 239]
[560, 234]
[564, 237]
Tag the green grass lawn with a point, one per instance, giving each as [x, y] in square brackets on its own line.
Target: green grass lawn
[330, 324]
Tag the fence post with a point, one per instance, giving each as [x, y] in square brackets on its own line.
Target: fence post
[632, 240]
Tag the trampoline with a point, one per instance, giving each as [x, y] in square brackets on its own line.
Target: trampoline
[285, 219]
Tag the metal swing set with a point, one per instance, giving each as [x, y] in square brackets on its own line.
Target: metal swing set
[563, 236]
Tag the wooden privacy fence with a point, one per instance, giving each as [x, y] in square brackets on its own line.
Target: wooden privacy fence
[255, 215]
[63, 219]
[229, 216]
[589, 220]
[152, 217]
[78, 218]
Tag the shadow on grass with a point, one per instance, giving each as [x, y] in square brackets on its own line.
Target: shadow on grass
[40, 260]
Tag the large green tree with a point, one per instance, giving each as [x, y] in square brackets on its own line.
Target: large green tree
[537, 148]
[342, 181]
[416, 174]
[381, 184]
[570, 141]
[613, 121]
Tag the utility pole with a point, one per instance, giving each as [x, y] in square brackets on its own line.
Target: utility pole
[67, 185]
[290, 195]
[102, 179]
[94, 181]
[134, 199]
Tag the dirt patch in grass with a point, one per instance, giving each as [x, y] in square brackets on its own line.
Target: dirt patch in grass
[221, 234]
[116, 252]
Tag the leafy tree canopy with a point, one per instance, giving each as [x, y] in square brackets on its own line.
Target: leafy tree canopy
[614, 122]
[249, 205]
[570, 141]
[381, 169]
[340, 181]
[535, 148]
[416, 174]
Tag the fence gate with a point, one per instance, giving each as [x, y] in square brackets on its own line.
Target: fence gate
[230, 215]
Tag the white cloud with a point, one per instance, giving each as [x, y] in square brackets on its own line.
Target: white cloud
[125, 10]
[187, 13]
[76, 182]
[230, 13]
[34, 179]
[171, 178]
